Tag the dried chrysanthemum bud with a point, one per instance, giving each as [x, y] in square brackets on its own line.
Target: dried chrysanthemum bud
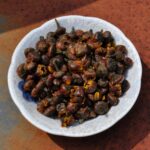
[116, 89]
[102, 70]
[28, 50]
[128, 62]
[67, 79]
[41, 70]
[30, 66]
[28, 86]
[78, 91]
[60, 30]
[101, 108]
[90, 74]
[68, 120]
[72, 107]
[61, 109]
[113, 100]
[81, 49]
[49, 111]
[42, 45]
[33, 56]
[83, 113]
[21, 71]
[76, 65]
[99, 36]
[90, 86]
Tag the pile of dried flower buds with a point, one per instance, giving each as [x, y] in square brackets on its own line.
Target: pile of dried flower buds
[75, 76]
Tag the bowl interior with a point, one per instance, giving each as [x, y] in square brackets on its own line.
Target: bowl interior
[99, 124]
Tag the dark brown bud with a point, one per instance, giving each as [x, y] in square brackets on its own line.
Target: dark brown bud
[30, 66]
[120, 68]
[90, 86]
[60, 30]
[55, 100]
[81, 49]
[45, 59]
[128, 62]
[30, 77]
[67, 79]
[87, 35]
[50, 111]
[41, 70]
[76, 65]
[49, 80]
[101, 108]
[72, 107]
[61, 109]
[83, 113]
[79, 33]
[125, 86]
[44, 103]
[116, 89]
[90, 74]
[65, 89]
[102, 71]
[33, 56]
[77, 79]
[40, 85]
[121, 48]
[99, 36]
[107, 37]
[116, 78]
[68, 121]
[21, 71]
[28, 86]
[111, 64]
[28, 50]
[42, 46]
[60, 45]
[34, 92]
[78, 91]
[113, 100]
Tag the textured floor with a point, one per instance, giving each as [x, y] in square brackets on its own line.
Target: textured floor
[19, 17]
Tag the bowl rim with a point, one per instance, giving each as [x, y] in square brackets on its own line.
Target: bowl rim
[38, 125]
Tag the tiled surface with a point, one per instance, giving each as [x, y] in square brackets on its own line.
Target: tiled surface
[19, 17]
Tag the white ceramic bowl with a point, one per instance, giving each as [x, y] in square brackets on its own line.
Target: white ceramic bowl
[91, 127]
